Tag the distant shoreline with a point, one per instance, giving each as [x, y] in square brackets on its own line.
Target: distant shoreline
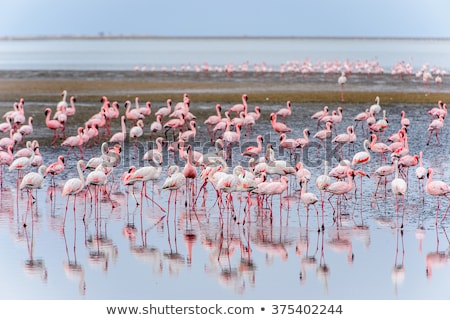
[137, 36]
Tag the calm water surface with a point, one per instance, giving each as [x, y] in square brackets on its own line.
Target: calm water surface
[131, 252]
[169, 53]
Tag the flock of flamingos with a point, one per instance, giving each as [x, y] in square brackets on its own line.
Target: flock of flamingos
[256, 184]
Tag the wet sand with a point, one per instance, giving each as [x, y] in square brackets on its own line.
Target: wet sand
[275, 88]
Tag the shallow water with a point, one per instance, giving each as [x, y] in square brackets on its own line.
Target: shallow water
[132, 252]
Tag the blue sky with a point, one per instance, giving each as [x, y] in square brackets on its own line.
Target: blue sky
[375, 18]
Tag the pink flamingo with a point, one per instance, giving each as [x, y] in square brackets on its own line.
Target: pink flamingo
[404, 120]
[189, 134]
[399, 187]
[375, 108]
[56, 168]
[119, 137]
[254, 151]
[341, 188]
[156, 126]
[145, 111]
[361, 118]
[174, 124]
[278, 126]
[324, 134]
[285, 112]
[421, 172]
[320, 114]
[174, 181]
[435, 126]
[6, 158]
[213, 120]
[230, 137]
[72, 187]
[27, 129]
[70, 110]
[164, 112]
[132, 114]
[137, 131]
[239, 107]
[379, 147]
[145, 174]
[382, 173]
[32, 181]
[190, 173]
[322, 183]
[309, 198]
[436, 188]
[54, 125]
[74, 141]
[154, 154]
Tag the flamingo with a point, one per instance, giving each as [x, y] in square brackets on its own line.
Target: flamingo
[190, 173]
[378, 147]
[322, 183]
[382, 172]
[145, 111]
[436, 188]
[27, 129]
[74, 141]
[52, 124]
[324, 134]
[154, 154]
[320, 114]
[6, 126]
[278, 126]
[21, 163]
[404, 121]
[343, 138]
[6, 158]
[342, 80]
[165, 111]
[137, 131]
[361, 118]
[72, 187]
[173, 182]
[212, 120]
[421, 172]
[32, 181]
[255, 114]
[63, 102]
[156, 126]
[145, 174]
[285, 112]
[340, 188]
[254, 151]
[239, 107]
[399, 187]
[55, 168]
[375, 108]
[70, 110]
[119, 137]
[309, 198]
[132, 114]
[230, 137]
[189, 134]
[435, 126]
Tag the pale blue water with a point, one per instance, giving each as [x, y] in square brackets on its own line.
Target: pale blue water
[157, 53]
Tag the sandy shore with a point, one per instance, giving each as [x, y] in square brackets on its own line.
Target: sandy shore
[45, 86]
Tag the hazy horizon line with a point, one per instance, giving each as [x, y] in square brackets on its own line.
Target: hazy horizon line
[141, 36]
